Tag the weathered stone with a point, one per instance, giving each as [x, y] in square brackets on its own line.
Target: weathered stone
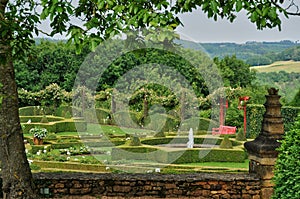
[122, 189]
[59, 185]
[171, 186]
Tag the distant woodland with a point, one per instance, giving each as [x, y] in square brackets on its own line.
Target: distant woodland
[253, 53]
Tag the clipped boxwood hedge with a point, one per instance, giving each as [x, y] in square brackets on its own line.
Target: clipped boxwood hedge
[178, 156]
[71, 166]
[255, 117]
[37, 119]
[184, 140]
[121, 119]
[35, 110]
[161, 123]
[67, 125]
[198, 123]
[103, 116]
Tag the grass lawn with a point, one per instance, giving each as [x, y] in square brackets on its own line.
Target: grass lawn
[287, 66]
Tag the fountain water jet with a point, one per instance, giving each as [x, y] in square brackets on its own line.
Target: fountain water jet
[190, 143]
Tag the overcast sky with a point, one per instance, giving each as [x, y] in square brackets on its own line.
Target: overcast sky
[197, 27]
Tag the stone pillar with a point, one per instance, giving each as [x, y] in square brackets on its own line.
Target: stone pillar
[262, 151]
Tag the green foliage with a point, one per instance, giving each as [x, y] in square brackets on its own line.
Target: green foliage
[296, 100]
[178, 157]
[135, 141]
[235, 72]
[56, 124]
[286, 82]
[254, 120]
[160, 134]
[34, 167]
[255, 117]
[38, 132]
[52, 62]
[240, 136]
[287, 170]
[252, 52]
[44, 119]
[52, 96]
[226, 143]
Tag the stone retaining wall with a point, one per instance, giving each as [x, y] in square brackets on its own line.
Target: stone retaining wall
[201, 186]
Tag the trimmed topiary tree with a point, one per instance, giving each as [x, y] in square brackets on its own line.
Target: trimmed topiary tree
[135, 141]
[287, 168]
[226, 143]
[240, 136]
[44, 119]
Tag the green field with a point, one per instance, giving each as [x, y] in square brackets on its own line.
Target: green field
[287, 66]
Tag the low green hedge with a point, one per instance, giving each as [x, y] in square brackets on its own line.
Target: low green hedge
[211, 155]
[125, 119]
[67, 125]
[37, 119]
[162, 123]
[71, 166]
[198, 123]
[35, 110]
[255, 117]
[184, 140]
[178, 156]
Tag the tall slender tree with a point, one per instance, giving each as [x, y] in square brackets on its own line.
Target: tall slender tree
[19, 20]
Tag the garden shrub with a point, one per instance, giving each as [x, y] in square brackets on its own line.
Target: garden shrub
[68, 115]
[126, 119]
[134, 153]
[255, 117]
[71, 166]
[178, 157]
[180, 140]
[160, 134]
[240, 136]
[34, 111]
[66, 145]
[103, 116]
[198, 123]
[212, 155]
[57, 124]
[287, 167]
[135, 141]
[37, 119]
[289, 116]
[226, 143]
[161, 122]
[44, 119]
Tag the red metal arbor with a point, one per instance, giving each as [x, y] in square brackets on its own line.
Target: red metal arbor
[222, 128]
[242, 105]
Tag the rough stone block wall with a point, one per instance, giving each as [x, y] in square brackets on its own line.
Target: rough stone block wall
[201, 186]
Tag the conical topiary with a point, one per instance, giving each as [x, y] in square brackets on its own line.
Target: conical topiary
[226, 143]
[44, 119]
[135, 141]
[240, 136]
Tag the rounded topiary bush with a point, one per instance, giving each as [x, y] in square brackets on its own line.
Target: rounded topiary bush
[287, 168]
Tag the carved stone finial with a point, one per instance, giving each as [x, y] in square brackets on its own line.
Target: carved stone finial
[273, 91]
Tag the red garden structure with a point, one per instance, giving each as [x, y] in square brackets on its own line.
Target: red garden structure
[242, 105]
[222, 128]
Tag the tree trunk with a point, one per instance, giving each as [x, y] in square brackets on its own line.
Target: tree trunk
[16, 173]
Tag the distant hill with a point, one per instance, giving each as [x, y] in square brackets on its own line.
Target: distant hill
[253, 53]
